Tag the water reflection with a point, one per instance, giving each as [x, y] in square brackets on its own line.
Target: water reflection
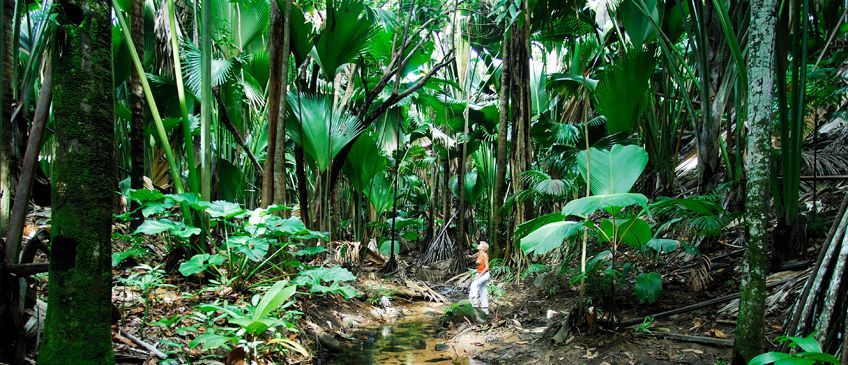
[401, 343]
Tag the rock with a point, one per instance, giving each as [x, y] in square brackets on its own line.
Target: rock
[420, 345]
[545, 281]
[329, 342]
[459, 312]
[441, 347]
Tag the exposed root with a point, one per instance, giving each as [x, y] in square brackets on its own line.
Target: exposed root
[441, 248]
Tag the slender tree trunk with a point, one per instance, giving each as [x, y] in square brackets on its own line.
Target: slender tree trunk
[206, 101]
[275, 40]
[446, 192]
[280, 154]
[136, 98]
[23, 187]
[749, 325]
[78, 323]
[498, 231]
[6, 72]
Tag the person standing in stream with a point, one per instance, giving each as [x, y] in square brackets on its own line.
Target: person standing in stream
[478, 293]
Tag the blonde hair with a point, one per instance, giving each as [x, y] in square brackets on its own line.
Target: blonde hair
[483, 246]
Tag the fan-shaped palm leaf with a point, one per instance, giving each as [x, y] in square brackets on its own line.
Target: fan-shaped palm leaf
[346, 35]
[222, 70]
[364, 161]
[621, 93]
[313, 113]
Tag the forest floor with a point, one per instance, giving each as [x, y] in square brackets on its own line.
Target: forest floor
[409, 327]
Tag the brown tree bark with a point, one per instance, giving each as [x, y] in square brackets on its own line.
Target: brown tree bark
[498, 233]
[280, 145]
[136, 99]
[275, 39]
[522, 151]
[6, 73]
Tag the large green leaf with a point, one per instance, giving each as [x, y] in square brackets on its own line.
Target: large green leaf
[637, 26]
[379, 194]
[254, 248]
[301, 33]
[663, 245]
[320, 141]
[330, 275]
[346, 35]
[199, 263]
[611, 203]
[635, 232]
[614, 170]
[648, 287]
[528, 227]
[272, 299]
[363, 162]
[548, 237]
[254, 20]
[222, 69]
[621, 92]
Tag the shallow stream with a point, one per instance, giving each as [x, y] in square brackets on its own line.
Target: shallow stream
[413, 339]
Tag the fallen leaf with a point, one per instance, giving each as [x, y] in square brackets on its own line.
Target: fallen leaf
[717, 333]
[694, 351]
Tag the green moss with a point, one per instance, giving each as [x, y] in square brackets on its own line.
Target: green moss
[77, 327]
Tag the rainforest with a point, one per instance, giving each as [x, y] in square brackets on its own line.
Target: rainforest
[253, 182]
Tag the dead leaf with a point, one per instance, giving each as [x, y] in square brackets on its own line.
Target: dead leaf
[717, 333]
[694, 351]
[236, 357]
[590, 354]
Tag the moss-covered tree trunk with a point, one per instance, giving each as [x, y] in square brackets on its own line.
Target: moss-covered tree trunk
[77, 328]
[749, 325]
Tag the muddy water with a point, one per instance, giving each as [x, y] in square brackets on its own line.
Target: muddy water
[413, 339]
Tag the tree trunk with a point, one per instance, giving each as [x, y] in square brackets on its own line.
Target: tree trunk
[280, 151]
[446, 191]
[749, 325]
[823, 303]
[498, 233]
[275, 71]
[519, 56]
[78, 323]
[206, 160]
[136, 99]
[709, 69]
[6, 71]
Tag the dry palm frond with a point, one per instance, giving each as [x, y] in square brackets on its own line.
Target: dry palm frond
[699, 275]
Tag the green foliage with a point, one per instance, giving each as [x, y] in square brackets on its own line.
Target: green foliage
[549, 237]
[255, 320]
[346, 35]
[811, 353]
[323, 131]
[648, 287]
[612, 171]
[610, 174]
[645, 326]
[199, 263]
[316, 279]
[621, 91]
